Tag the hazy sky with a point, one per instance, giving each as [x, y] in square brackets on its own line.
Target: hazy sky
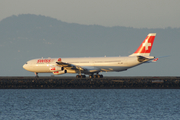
[129, 13]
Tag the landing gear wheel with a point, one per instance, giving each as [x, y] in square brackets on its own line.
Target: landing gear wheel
[95, 76]
[101, 76]
[83, 76]
[80, 76]
[98, 76]
[90, 76]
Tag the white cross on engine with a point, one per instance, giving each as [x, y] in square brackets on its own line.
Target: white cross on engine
[146, 44]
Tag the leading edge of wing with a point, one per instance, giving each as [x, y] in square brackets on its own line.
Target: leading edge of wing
[80, 68]
[69, 66]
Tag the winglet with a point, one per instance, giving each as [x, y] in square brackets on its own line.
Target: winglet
[145, 47]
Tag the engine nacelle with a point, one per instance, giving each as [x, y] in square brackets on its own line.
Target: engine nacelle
[56, 68]
[60, 72]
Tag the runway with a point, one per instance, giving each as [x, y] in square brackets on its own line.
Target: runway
[111, 82]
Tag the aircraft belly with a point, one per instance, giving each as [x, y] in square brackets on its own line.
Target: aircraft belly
[112, 68]
[120, 66]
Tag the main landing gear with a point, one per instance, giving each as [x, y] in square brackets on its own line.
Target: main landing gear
[96, 76]
[90, 76]
[80, 76]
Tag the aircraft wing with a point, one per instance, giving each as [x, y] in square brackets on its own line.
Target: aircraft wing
[86, 69]
[69, 66]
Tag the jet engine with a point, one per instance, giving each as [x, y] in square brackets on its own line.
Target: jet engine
[56, 68]
[60, 72]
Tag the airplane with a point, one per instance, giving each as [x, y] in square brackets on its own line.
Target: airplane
[92, 66]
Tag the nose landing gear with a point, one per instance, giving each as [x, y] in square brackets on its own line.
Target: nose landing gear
[36, 75]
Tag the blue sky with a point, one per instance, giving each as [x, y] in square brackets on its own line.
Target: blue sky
[128, 13]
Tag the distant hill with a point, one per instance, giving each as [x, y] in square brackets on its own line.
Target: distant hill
[28, 36]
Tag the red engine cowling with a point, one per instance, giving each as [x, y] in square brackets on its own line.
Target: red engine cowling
[56, 68]
[60, 72]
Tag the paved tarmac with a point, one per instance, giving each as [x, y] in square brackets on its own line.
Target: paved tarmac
[111, 82]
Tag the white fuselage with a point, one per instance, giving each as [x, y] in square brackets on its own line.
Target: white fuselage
[101, 64]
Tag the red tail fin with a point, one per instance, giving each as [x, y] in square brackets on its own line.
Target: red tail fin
[145, 47]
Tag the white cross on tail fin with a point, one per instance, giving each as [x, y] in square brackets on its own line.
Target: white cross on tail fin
[145, 47]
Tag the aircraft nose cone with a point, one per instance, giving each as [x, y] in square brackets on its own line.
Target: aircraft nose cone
[27, 67]
[24, 66]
